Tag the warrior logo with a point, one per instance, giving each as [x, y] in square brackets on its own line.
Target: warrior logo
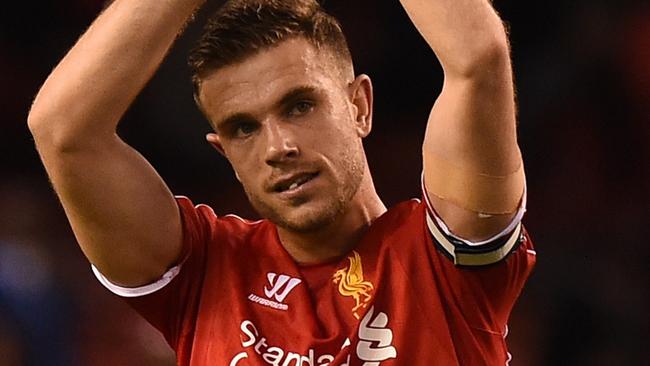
[281, 286]
[282, 281]
[352, 284]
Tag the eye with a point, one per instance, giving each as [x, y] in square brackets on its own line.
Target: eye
[300, 108]
[244, 129]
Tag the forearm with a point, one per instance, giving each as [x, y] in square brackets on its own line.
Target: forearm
[98, 79]
[466, 35]
[473, 120]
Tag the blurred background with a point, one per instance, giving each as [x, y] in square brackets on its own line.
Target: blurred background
[583, 78]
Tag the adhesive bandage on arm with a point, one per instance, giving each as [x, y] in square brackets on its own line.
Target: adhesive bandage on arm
[474, 191]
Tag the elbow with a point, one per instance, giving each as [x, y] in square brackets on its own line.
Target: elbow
[43, 128]
[490, 57]
[43, 123]
[35, 120]
[40, 126]
[55, 131]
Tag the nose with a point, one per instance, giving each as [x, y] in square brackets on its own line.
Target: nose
[281, 144]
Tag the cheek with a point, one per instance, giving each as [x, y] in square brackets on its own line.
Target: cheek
[337, 126]
[344, 151]
[243, 153]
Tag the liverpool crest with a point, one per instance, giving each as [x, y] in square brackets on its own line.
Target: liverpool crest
[352, 284]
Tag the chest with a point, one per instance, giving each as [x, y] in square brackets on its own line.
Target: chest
[371, 308]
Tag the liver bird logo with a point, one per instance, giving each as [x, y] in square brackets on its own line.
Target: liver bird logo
[352, 284]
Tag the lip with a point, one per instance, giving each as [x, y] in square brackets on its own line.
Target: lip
[309, 178]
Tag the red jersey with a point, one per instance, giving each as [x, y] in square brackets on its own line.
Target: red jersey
[406, 295]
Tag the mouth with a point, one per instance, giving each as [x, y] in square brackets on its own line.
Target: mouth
[293, 183]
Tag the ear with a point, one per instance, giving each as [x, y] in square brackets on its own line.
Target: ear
[214, 140]
[361, 97]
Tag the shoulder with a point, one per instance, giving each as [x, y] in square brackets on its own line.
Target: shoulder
[402, 211]
[404, 218]
[417, 221]
[202, 223]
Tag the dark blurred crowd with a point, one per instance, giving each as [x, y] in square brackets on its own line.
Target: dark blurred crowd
[582, 70]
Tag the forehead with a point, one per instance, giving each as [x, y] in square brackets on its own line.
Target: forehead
[265, 76]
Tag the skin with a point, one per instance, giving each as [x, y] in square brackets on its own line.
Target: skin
[105, 186]
[473, 121]
[124, 215]
[286, 113]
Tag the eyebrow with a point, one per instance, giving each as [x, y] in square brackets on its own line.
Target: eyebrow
[233, 120]
[289, 97]
[294, 94]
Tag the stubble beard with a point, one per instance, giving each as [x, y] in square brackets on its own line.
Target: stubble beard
[353, 168]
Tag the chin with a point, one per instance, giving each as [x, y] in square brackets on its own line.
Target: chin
[305, 218]
[306, 224]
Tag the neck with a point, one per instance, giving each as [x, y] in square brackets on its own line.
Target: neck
[340, 236]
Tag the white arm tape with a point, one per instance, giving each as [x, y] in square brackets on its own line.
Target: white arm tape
[137, 291]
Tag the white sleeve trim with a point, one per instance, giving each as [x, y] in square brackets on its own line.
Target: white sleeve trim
[513, 224]
[464, 258]
[137, 291]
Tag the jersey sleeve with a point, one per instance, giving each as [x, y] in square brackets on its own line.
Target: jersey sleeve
[483, 279]
[465, 252]
[170, 303]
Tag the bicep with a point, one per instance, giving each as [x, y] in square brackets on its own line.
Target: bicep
[471, 139]
[122, 213]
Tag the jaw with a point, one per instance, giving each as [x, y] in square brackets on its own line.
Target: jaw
[335, 236]
[303, 214]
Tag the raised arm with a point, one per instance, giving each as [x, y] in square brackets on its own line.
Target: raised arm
[122, 213]
[473, 170]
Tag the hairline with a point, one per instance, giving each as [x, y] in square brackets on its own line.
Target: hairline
[342, 63]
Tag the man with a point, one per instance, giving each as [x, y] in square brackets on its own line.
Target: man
[330, 277]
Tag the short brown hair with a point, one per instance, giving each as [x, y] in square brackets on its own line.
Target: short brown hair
[241, 28]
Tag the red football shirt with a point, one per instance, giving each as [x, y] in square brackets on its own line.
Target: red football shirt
[407, 295]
